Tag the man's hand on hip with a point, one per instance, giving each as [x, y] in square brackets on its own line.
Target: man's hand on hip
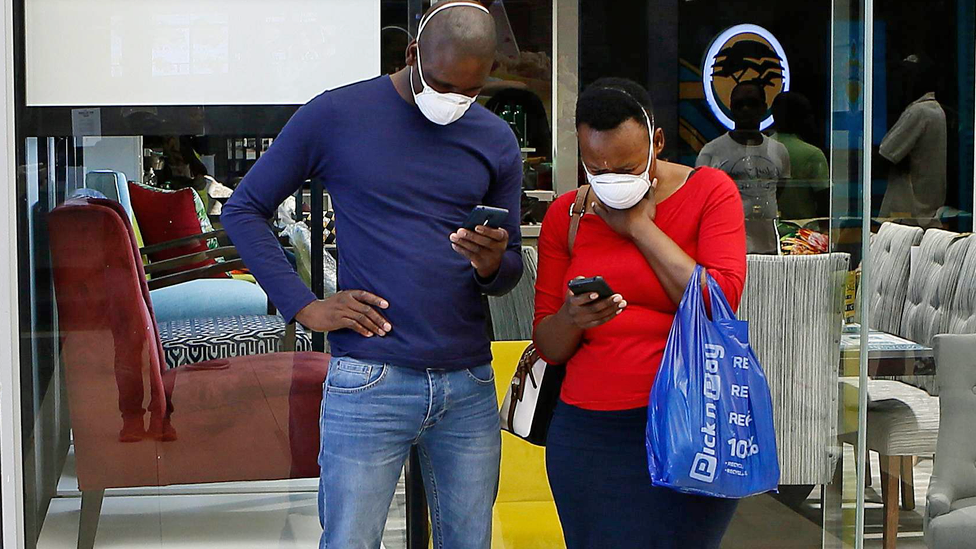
[483, 247]
[354, 310]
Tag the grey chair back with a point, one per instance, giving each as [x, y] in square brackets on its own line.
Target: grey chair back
[931, 288]
[961, 314]
[112, 184]
[891, 251]
[932, 285]
[794, 305]
[953, 476]
[512, 314]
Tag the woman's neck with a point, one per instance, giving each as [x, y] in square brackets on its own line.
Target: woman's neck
[670, 178]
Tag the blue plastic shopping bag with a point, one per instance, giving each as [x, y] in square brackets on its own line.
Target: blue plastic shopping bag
[710, 416]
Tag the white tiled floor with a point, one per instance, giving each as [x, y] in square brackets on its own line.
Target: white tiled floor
[263, 515]
[253, 515]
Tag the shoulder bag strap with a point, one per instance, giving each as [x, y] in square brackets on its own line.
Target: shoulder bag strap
[523, 373]
[576, 214]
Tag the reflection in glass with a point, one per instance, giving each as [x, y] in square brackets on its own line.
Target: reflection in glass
[806, 194]
[916, 148]
[754, 161]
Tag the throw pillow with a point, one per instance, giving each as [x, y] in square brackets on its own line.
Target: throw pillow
[168, 215]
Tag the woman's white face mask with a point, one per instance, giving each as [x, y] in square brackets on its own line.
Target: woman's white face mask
[440, 108]
[621, 191]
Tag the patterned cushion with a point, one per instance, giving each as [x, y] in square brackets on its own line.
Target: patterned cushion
[891, 252]
[188, 341]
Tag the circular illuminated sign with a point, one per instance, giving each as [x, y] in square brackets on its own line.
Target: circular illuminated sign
[740, 54]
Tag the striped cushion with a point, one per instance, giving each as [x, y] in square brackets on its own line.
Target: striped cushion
[891, 252]
[902, 420]
[189, 341]
[793, 307]
[961, 317]
[512, 314]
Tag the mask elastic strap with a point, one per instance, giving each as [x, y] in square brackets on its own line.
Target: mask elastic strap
[423, 25]
[650, 142]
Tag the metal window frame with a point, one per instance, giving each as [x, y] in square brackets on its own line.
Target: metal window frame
[11, 458]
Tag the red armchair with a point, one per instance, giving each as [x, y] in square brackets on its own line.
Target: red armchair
[135, 422]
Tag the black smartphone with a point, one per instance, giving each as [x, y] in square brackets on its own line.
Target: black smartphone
[486, 215]
[595, 285]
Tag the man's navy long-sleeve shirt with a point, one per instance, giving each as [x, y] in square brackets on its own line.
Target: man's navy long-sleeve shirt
[400, 185]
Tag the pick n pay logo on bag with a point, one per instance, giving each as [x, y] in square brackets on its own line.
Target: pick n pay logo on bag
[706, 465]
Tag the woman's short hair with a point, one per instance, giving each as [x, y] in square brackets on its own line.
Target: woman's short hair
[609, 102]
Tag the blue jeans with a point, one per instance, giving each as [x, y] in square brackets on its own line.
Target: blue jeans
[371, 415]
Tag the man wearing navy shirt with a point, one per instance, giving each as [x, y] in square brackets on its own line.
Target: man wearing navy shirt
[405, 158]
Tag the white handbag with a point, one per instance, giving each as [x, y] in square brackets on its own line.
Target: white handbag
[531, 398]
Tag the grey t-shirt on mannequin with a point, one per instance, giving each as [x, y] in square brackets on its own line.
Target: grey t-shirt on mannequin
[756, 170]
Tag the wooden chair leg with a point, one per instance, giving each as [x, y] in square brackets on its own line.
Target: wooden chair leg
[91, 509]
[890, 472]
[908, 483]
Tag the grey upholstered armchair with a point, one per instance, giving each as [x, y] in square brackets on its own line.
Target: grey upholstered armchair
[794, 308]
[511, 314]
[950, 517]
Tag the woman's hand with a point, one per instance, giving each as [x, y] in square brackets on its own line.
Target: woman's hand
[630, 222]
[588, 311]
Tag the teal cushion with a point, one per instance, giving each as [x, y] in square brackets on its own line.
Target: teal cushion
[216, 297]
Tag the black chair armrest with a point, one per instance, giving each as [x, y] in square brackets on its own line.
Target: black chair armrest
[185, 241]
[189, 259]
[195, 274]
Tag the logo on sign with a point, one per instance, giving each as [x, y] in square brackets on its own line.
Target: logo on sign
[744, 53]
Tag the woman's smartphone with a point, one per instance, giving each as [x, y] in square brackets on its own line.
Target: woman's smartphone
[597, 285]
[486, 215]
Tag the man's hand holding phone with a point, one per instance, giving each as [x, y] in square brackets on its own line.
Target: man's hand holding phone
[353, 310]
[591, 303]
[482, 241]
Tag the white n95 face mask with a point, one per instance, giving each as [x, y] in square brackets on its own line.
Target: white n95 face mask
[440, 108]
[621, 191]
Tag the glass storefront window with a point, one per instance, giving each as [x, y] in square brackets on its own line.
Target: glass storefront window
[152, 412]
[149, 405]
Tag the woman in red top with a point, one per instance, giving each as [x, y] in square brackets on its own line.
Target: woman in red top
[596, 457]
